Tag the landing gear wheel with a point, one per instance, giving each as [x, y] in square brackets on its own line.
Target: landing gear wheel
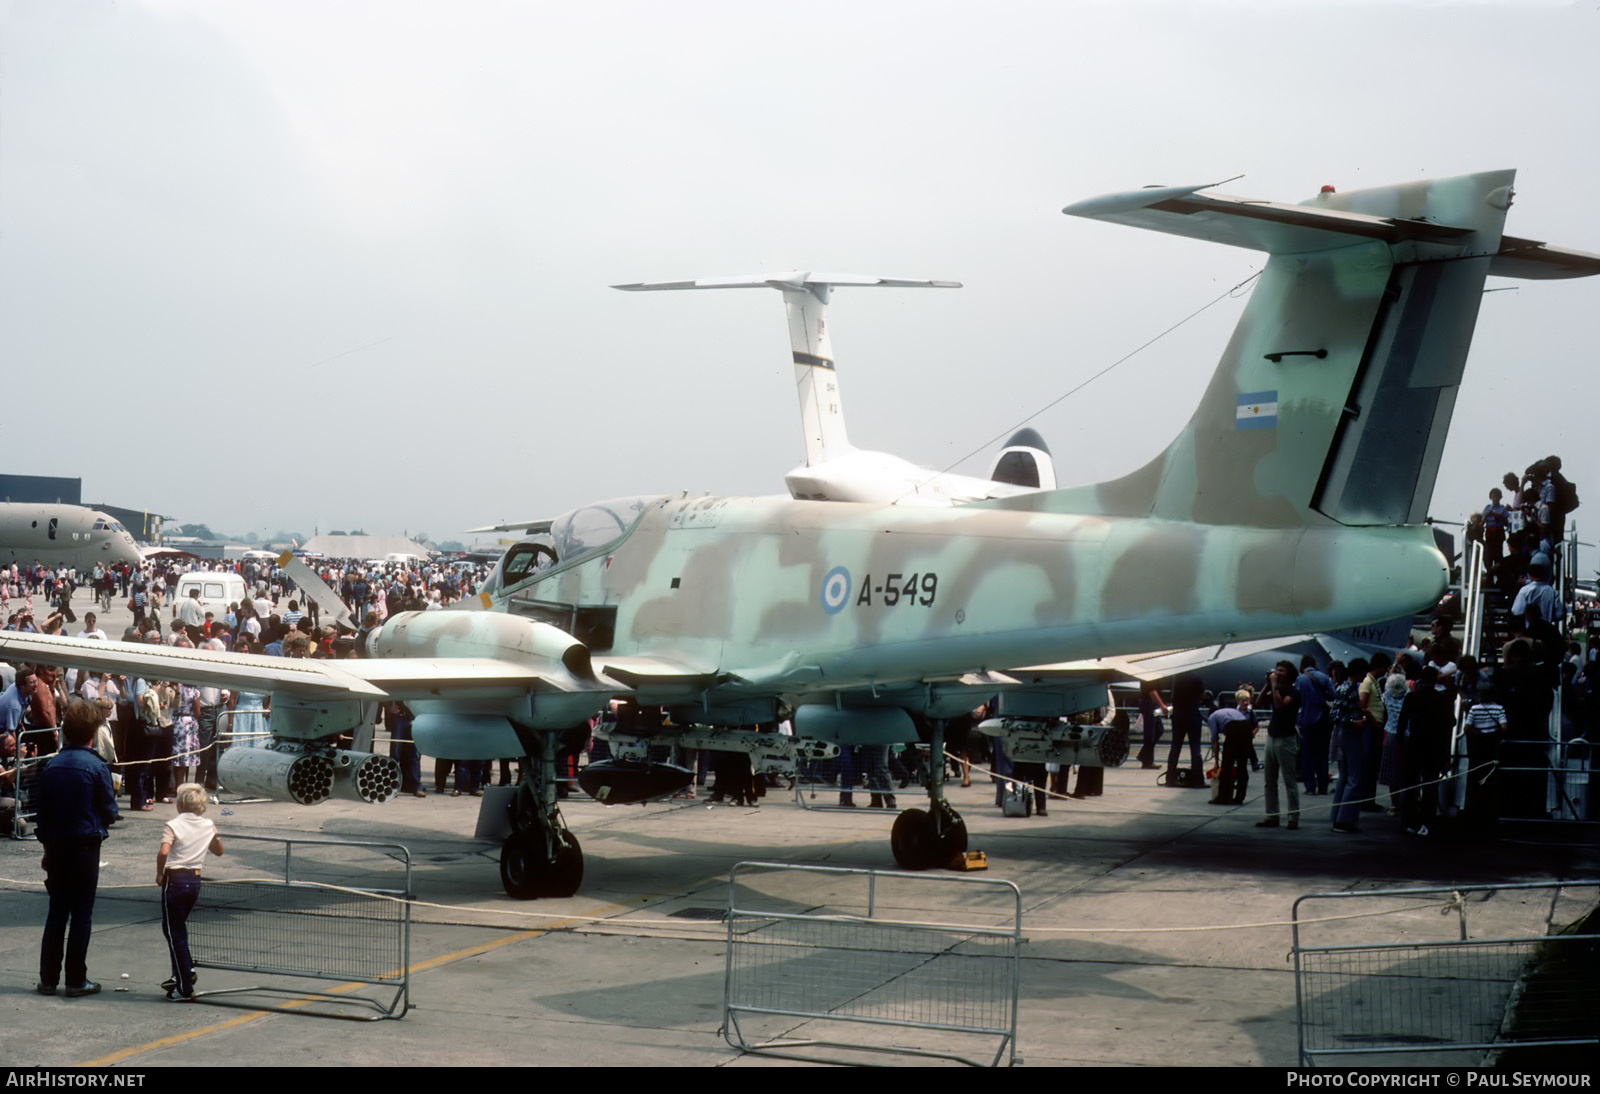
[566, 872]
[911, 840]
[920, 841]
[525, 809]
[526, 872]
[522, 864]
[952, 841]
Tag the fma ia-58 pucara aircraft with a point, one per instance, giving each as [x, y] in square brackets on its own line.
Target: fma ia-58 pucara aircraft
[1277, 510]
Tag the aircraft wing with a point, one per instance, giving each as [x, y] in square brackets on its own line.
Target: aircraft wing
[207, 668]
[1162, 664]
[400, 678]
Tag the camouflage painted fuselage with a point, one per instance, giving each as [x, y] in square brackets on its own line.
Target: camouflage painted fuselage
[807, 598]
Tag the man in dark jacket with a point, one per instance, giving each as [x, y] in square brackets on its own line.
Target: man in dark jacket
[76, 806]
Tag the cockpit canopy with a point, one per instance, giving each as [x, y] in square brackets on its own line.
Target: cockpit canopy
[584, 531]
[103, 524]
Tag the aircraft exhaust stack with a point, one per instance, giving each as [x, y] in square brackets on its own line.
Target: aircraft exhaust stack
[365, 776]
[304, 777]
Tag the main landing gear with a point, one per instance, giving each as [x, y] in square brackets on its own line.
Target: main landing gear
[541, 857]
[922, 839]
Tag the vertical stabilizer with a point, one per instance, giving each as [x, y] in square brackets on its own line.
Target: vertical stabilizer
[1333, 397]
[805, 299]
[821, 420]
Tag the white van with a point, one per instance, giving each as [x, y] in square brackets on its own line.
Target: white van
[217, 591]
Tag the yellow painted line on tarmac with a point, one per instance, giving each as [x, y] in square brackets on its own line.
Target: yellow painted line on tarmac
[433, 962]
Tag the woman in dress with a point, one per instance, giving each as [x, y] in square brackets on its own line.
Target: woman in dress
[186, 734]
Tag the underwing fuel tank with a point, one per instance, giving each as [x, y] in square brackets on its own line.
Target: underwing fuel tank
[630, 782]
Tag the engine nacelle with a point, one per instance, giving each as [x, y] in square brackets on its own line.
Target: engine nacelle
[481, 634]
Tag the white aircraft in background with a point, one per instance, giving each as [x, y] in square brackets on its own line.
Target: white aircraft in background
[63, 535]
[834, 469]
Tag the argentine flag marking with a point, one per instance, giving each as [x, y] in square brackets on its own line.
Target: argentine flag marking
[1257, 410]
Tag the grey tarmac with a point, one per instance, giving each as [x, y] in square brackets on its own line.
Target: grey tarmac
[498, 986]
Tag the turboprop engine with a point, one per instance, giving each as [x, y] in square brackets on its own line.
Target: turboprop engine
[499, 635]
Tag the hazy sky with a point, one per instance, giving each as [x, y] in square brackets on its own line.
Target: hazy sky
[269, 264]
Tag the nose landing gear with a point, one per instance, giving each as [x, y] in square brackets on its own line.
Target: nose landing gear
[922, 839]
[541, 857]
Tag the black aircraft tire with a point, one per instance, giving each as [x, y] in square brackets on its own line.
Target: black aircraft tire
[526, 874]
[523, 868]
[912, 840]
[566, 872]
[952, 842]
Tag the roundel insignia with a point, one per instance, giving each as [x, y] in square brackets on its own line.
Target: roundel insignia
[835, 590]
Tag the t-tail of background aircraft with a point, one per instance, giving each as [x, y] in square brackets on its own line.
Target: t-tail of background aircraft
[834, 469]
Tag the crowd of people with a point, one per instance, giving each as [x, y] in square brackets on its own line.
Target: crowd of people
[1390, 720]
[159, 733]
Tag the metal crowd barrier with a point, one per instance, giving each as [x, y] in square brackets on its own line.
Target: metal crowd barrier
[25, 777]
[820, 956]
[336, 914]
[1432, 1000]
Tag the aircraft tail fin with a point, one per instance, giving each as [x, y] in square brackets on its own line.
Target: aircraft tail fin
[1334, 395]
[805, 298]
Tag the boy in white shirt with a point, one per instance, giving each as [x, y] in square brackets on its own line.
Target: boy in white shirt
[184, 842]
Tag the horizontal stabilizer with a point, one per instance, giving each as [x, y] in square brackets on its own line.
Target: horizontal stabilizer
[1531, 259]
[1327, 221]
[792, 281]
[805, 299]
[1258, 225]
